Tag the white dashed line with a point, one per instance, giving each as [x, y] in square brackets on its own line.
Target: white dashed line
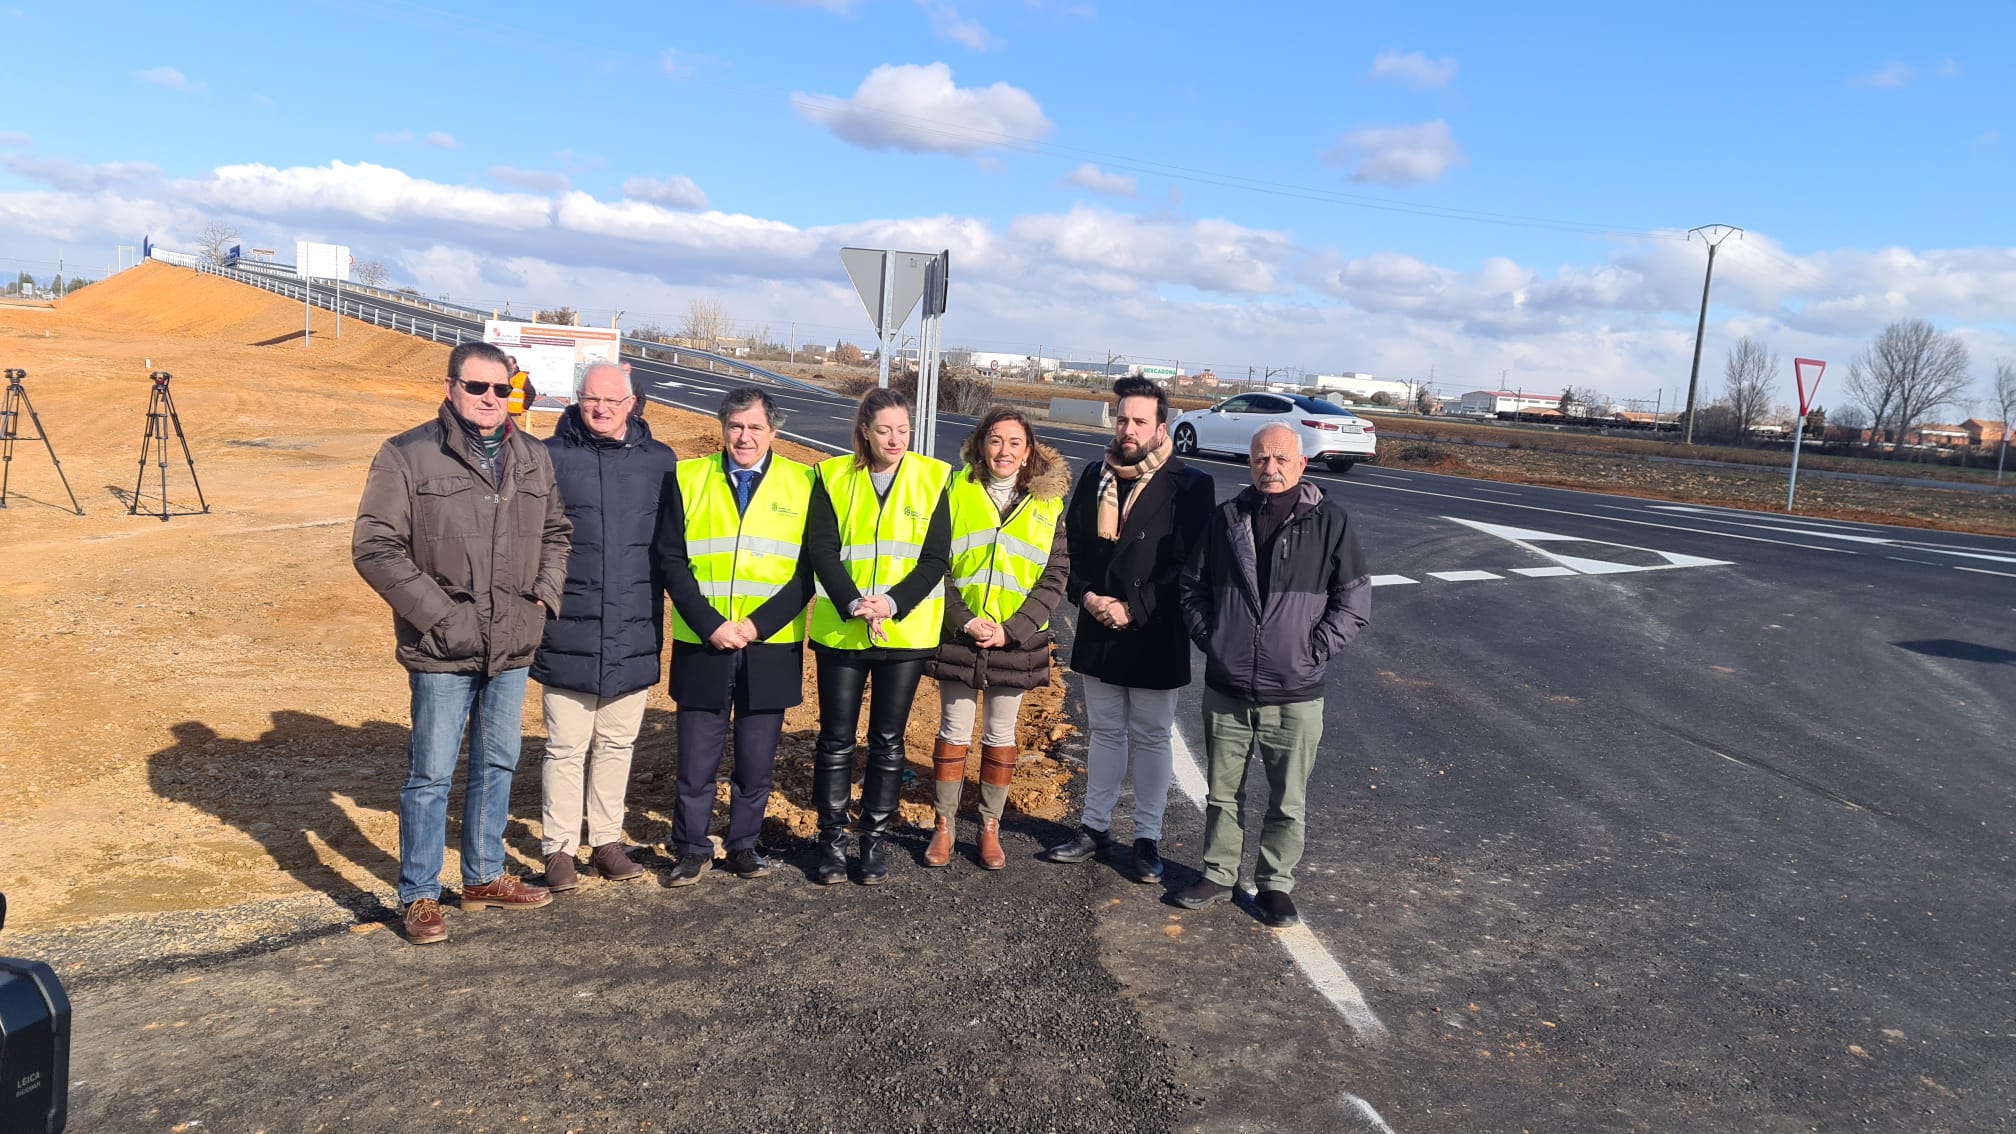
[1463, 576]
[1544, 572]
[1985, 571]
[1304, 948]
[1393, 581]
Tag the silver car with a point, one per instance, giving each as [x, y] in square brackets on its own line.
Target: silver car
[1330, 433]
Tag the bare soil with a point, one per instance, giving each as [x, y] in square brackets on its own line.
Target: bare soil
[204, 712]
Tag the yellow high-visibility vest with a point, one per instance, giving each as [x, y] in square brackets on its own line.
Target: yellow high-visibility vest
[997, 560]
[743, 559]
[515, 404]
[881, 540]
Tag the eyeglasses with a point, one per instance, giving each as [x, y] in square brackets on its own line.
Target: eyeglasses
[597, 403]
[501, 389]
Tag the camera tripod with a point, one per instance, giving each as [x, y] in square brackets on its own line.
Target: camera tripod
[160, 413]
[12, 406]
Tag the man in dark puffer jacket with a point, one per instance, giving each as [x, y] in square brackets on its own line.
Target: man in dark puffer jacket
[600, 657]
[1275, 589]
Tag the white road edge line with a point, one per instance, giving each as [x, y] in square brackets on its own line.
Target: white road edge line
[1985, 571]
[1307, 951]
[1364, 1110]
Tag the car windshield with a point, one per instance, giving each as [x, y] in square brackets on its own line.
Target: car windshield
[1321, 407]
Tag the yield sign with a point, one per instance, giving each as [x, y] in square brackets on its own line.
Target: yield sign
[889, 283]
[1806, 372]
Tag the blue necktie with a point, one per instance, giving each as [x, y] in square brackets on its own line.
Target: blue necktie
[744, 479]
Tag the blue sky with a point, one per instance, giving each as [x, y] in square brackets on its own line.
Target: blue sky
[1466, 190]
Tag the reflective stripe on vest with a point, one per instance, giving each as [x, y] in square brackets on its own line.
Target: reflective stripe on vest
[996, 562]
[743, 559]
[881, 540]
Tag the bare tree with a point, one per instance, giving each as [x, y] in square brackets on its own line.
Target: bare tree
[706, 320]
[565, 316]
[370, 273]
[1851, 417]
[1905, 373]
[1747, 379]
[2003, 395]
[215, 240]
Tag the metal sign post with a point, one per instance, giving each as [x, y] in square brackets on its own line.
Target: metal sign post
[928, 360]
[1800, 368]
[889, 284]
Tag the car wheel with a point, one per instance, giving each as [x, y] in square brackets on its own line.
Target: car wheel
[1186, 441]
[1341, 465]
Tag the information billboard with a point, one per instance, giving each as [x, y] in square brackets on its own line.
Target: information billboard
[314, 261]
[554, 354]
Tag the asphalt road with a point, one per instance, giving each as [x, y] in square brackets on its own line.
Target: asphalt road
[1631, 815]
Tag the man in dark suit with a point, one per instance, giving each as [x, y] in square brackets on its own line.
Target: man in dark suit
[1131, 523]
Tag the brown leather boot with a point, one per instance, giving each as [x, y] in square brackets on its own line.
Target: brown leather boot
[991, 855]
[610, 862]
[423, 923]
[505, 892]
[939, 853]
[948, 775]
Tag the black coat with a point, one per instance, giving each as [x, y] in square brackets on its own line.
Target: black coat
[611, 627]
[1275, 648]
[1140, 569]
[772, 674]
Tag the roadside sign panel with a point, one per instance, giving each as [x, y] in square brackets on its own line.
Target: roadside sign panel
[1806, 373]
[553, 354]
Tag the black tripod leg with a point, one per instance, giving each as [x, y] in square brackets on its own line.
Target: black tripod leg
[8, 416]
[180, 436]
[161, 440]
[10, 429]
[51, 446]
[146, 440]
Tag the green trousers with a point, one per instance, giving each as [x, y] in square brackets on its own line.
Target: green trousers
[1285, 738]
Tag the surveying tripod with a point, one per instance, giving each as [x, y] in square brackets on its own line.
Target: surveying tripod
[160, 414]
[11, 408]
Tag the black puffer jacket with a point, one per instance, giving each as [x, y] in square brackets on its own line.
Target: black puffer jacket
[1274, 649]
[1024, 663]
[612, 616]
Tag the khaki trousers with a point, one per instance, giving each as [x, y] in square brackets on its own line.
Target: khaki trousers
[589, 740]
[1285, 738]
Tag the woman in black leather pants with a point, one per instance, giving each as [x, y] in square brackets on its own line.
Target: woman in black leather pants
[878, 536]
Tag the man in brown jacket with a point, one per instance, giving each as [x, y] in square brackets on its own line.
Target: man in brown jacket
[461, 531]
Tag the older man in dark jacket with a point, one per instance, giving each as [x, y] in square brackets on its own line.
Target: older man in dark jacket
[601, 656]
[1274, 590]
[461, 532]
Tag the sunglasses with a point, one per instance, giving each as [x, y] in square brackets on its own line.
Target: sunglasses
[501, 389]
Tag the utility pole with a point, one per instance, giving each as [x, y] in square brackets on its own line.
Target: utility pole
[1712, 235]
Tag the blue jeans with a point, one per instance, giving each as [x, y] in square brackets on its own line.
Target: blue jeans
[444, 705]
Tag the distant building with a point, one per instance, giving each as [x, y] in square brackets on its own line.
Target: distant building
[1505, 401]
[1985, 433]
[1363, 386]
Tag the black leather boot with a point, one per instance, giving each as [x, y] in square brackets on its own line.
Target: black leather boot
[830, 784]
[879, 793]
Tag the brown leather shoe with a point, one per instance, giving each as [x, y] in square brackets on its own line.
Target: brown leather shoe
[610, 862]
[991, 855]
[562, 871]
[506, 892]
[423, 922]
[939, 853]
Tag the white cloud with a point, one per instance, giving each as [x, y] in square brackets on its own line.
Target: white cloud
[1892, 75]
[164, 77]
[62, 173]
[1414, 68]
[918, 109]
[439, 140]
[536, 180]
[1398, 155]
[16, 139]
[947, 23]
[1091, 177]
[1213, 255]
[672, 192]
[671, 65]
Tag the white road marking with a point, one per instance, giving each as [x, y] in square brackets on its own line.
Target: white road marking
[1879, 541]
[1304, 947]
[1364, 1110]
[1527, 538]
[1463, 576]
[1544, 572]
[1392, 580]
[1498, 491]
[1389, 476]
[1985, 571]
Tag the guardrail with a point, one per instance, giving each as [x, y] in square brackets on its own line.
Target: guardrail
[271, 279]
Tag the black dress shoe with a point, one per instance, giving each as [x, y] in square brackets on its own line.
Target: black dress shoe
[1277, 908]
[1147, 861]
[1086, 843]
[689, 868]
[749, 864]
[1202, 893]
